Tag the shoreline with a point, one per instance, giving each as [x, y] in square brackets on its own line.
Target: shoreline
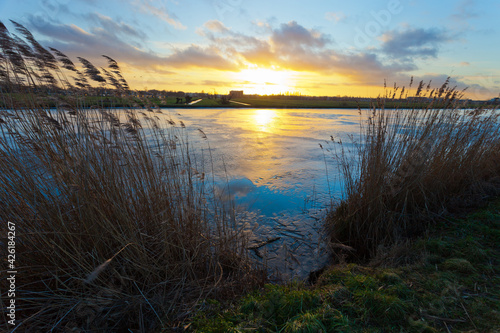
[434, 283]
[263, 102]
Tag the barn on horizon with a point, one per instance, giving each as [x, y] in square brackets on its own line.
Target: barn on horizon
[236, 93]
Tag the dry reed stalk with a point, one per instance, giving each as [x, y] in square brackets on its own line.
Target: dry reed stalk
[81, 182]
[411, 165]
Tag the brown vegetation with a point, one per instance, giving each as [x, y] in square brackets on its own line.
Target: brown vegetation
[115, 228]
[412, 165]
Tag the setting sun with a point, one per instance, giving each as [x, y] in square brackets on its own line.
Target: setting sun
[265, 81]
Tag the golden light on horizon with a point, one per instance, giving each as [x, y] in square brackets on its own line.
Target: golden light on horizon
[266, 81]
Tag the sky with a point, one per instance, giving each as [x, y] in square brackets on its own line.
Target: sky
[314, 47]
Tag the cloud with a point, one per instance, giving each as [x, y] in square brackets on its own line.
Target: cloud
[122, 42]
[262, 26]
[413, 42]
[335, 16]
[464, 11]
[115, 27]
[237, 45]
[287, 46]
[197, 56]
[368, 68]
[259, 53]
[215, 26]
[292, 46]
[55, 8]
[212, 27]
[218, 83]
[293, 34]
[104, 38]
[439, 79]
[147, 6]
[464, 64]
[215, 83]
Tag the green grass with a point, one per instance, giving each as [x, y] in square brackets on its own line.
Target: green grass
[453, 286]
[283, 102]
[294, 102]
[206, 102]
[168, 102]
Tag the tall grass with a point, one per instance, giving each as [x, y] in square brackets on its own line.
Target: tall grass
[115, 227]
[412, 165]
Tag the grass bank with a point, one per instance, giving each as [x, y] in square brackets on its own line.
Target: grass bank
[445, 281]
[278, 102]
[289, 102]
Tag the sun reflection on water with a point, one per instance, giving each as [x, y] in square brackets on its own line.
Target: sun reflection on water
[265, 119]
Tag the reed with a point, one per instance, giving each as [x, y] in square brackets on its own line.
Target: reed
[115, 228]
[412, 165]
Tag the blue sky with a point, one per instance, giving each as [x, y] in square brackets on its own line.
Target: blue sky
[313, 47]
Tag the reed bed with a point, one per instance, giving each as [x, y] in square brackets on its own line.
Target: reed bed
[412, 165]
[116, 228]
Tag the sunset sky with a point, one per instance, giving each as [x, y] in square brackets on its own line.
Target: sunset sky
[312, 47]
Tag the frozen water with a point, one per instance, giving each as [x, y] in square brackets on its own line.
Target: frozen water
[270, 163]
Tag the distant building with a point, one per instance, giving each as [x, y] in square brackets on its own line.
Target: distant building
[236, 93]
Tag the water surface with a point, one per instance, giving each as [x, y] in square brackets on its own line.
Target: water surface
[269, 161]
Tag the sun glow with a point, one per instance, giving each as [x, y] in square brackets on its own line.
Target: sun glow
[264, 81]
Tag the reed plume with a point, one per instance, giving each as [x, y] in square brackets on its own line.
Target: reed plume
[81, 182]
[412, 165]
